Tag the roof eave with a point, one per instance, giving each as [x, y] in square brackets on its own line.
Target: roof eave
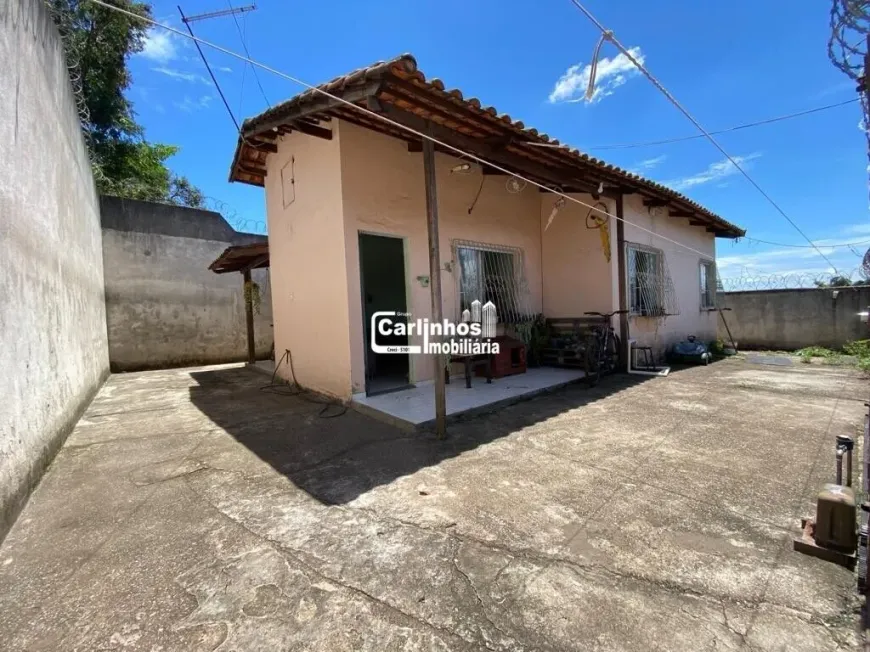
[367, 86]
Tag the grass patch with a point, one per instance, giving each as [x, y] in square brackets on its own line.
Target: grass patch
[858, 348]
[858, 352]
[807, 354]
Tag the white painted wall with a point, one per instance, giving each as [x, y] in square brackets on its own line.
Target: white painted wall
[54, 355]
[683, 265]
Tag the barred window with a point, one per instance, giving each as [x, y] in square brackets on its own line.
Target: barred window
[490, 273]
[645, 281]
[708, 284]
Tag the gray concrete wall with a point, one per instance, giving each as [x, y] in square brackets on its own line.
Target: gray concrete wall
[53, 356]
[793, 319]
[164, 307]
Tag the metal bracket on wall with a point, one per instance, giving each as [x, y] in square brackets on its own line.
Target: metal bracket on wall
[288, 182]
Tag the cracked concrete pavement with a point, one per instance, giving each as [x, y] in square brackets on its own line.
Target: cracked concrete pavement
[190, 510]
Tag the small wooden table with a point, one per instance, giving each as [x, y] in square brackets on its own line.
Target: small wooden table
[470, 362]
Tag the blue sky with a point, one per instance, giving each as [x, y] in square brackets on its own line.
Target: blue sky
[728, 63]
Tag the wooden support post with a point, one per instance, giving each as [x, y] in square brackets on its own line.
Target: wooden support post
[435, 279]
[620, 269]
[249, 315]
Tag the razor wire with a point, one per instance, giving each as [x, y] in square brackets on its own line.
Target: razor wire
[62, 19]
[751, 280]
[235, 219]
[847, 50]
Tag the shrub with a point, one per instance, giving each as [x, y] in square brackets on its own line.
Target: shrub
[859, 348]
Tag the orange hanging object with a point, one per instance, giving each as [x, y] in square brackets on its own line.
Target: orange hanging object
[604, 231]
[601, 223]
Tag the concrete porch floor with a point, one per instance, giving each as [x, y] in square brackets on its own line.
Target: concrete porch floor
[415, 407]
[190, 510]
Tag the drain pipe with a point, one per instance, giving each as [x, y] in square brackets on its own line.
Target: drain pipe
[664, 371]
[845, 444]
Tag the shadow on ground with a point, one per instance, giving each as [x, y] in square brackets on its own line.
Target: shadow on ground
[336, 455]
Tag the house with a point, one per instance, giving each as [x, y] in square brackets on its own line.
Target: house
[347, 221]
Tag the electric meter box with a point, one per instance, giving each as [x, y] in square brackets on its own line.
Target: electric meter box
[835, 518]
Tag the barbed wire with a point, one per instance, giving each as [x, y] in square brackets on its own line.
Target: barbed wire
[63, 21]
[751, 280]
[850, 23]
[235, 219]
[847, 49]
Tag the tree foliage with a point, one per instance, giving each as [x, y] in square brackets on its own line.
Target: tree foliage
[99, 42]
[838, 282]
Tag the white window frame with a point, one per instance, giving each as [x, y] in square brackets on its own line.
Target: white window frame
[707, 296]
[518, 273]
[634, 309]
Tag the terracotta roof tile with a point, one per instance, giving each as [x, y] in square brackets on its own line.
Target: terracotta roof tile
[404, 69]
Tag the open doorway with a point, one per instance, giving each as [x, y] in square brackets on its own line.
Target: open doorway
[382, 278]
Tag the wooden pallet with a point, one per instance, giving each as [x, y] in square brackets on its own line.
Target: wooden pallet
[563, 358]
[575, 331]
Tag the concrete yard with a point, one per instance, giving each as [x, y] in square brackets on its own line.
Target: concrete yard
[189, 510]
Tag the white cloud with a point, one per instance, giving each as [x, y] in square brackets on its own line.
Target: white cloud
[189, 105]
[653, 162]
[159, 46]
[802, 260]
[226, 69]
[610, 75]
[714, 172]
[645, 166]
[858, 229]
[783, 261]
[180, 75]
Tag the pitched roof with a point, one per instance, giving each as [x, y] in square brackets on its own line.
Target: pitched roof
[398, 90]
[239, 258]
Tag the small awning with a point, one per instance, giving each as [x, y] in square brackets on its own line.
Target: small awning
[240, 258]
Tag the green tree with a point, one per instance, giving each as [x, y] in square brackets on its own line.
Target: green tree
[836, 282]
[99, 41]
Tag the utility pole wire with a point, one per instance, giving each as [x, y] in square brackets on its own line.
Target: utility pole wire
[248, 54]
[207, 67]
[782, 244]
[244, 73]
[608, 34]
[667, 141]
[397, 125]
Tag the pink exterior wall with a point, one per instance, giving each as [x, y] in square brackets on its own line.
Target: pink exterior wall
[307, 253]
[383, 191]
[577, 275]
[683, 266]
[361, 181]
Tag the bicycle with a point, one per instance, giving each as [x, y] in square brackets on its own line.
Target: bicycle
[602, 348]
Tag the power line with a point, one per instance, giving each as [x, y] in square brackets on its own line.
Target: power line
[218, 14]
[248, 54]
[830, 246]
[207, 67]
[393, 123]
[608, 34]
[667, 141]
[244, 73]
